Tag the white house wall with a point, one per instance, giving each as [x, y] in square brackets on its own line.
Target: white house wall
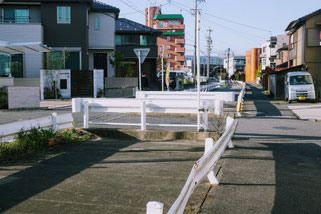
[19, 33]
[104, 38]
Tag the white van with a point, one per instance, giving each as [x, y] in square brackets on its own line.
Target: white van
[299, 86]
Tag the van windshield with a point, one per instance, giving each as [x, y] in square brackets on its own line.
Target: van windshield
[301, 80]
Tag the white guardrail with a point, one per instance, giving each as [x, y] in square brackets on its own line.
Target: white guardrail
[143, 106]
[186, 95]
[204, 166]
[9, 131]
[240, 100]
[207, 87]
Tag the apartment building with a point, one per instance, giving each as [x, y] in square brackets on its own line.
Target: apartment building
[269, 50]
[234, 64]
[252, 63]
[84, 29]
[172, 40]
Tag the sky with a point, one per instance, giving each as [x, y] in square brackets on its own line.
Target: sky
[236, 24]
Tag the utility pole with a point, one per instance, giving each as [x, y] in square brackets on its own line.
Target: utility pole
[209, 48]
[195, 54]
[162, 55]
[198, 13]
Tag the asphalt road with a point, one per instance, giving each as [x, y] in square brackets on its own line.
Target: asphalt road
[275, 166]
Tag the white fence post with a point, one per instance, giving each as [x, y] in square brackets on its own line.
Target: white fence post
[229, 121]
[54, 122]
[86, 115]
[143, 116]
[205, 115]
[154, 207]
[209, 143]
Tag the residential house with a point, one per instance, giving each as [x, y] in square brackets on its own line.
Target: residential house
[305, 45]
[252, 63]
[131, 35]
[80, 33]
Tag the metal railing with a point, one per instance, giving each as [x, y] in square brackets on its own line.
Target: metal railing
[9, 131]
[203, 167]
[240, 100]
[144, 106]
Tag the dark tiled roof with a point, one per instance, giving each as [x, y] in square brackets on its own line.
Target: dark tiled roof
[126, 26]
[102, 7]
[299, 22]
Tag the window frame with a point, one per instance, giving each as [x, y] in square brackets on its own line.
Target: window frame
[64, 16]
[97, 22]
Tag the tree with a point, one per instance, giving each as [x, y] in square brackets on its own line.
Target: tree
[122, 68]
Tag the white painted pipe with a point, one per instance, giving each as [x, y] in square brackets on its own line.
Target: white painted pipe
[154, 207]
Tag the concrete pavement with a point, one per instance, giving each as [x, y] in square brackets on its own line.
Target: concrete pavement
[275, 166]
[307, 111]
[105, 176]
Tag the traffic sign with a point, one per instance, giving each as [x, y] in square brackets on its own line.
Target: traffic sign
[141, 53]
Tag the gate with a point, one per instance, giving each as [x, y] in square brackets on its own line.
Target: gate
[82, 83]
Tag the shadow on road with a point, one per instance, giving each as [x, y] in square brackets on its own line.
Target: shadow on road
[297, 175]
[68, 161]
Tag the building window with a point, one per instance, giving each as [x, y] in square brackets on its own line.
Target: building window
[14, 15]
[168, 47]
[63, 15]
[143, 40]
[62, 60]
[121, 39]
[264, 49]
[173, 22]
[162, 49]
[263, 61]
[63, 84]
[161, 24]
[97, 23]
[16, 65]
[284, 44]
[168, 55]
[168, 38]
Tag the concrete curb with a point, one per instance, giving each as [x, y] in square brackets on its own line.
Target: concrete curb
[152, 135]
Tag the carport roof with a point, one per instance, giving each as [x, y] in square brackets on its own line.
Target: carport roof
[19, 48]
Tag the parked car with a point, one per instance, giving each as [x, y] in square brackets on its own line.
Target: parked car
[299, 86]
[176, 80]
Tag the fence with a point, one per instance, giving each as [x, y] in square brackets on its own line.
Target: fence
[186, 95]
[204, 166]
[142, 106]
[207, 87]
[9, 131]
[240, 100]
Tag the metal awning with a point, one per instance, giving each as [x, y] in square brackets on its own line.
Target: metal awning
[19, 48]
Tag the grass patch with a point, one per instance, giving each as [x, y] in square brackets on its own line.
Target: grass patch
[37, 140]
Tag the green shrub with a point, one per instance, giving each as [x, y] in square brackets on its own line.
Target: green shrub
[36, 140]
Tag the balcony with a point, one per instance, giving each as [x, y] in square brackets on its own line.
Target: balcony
[180, 50]
[21, 32]
[180, 41]
[180, 58]
[172, 27]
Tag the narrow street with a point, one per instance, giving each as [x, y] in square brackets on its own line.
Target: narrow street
[275, 166]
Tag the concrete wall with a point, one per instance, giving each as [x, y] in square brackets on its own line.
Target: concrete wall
[6, 81]
[26, 82]
[104, 37]
[121, 82]
[18, 33]
[23, 97]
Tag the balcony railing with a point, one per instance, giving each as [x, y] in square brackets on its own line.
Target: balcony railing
[180, 58]
[18, 20]
[180, 41]
[172, 27]
[180, 50]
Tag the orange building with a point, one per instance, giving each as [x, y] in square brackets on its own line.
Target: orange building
[252, 63]
[172, 40]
